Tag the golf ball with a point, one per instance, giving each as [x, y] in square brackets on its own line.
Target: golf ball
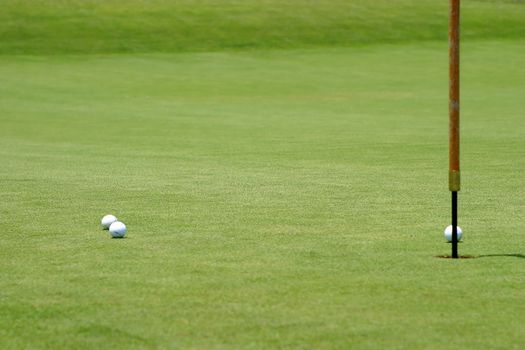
[107, 221]
[448, 233]
[117, 229]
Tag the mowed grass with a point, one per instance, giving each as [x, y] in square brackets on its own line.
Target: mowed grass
[279, 199]
[102, 26]
[289, 196]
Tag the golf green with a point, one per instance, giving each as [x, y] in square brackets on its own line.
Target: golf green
[275, 198]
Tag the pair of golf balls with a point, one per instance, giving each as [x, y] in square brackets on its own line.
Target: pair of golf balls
[116, 228]
[448, 233]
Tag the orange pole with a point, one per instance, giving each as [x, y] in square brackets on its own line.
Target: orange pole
[454, 178]
[453, 153]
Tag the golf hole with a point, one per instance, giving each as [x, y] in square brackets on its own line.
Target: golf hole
[459, 257]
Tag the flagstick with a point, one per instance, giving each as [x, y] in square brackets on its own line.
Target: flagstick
[454, 172]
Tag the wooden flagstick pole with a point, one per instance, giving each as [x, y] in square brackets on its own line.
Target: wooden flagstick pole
[454, 171]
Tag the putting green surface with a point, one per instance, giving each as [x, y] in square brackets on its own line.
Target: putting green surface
[274, 199]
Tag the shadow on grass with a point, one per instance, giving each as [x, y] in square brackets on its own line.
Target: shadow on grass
[522, 256]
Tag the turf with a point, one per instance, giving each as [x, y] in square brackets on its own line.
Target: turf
[102, 26]
[289, 198]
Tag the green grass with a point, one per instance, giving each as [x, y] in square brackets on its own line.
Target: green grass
[102, 26]
[289, 198]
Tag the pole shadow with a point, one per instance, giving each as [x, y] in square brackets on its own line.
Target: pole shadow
[516, 255]
[521, 256]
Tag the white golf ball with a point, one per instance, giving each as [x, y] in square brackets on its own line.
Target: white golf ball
[117, 229]
[448, 233]
[107, 221]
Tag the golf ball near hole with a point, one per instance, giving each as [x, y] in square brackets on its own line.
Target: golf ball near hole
[117, 229]
[448, 233]
[107, 221]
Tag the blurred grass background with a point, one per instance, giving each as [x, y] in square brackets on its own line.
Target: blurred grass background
[96, 26]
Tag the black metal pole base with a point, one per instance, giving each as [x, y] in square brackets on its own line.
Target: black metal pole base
[454, 225]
